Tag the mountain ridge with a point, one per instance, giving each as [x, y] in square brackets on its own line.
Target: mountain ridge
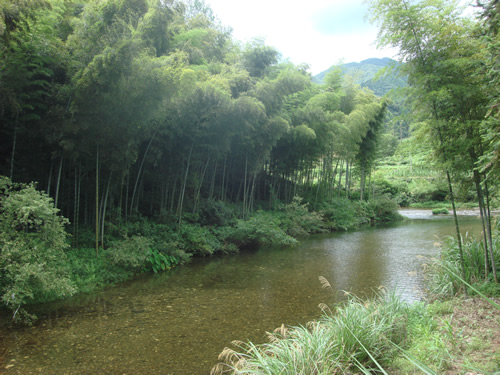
[366, 74]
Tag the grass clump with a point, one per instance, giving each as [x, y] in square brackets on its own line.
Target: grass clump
[440, 211]
[444, 274]
[355, 336]
[382, 335]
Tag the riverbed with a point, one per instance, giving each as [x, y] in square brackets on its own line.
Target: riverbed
[179, 321]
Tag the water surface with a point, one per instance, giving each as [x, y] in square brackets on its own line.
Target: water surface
[179, 321]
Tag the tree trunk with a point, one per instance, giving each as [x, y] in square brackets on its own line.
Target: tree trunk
[50, 177]
[97, 203]
[362, 182]
[481, 213]
[183, 190]
[339, 186]
[75, 229]
[488, 226]
[200, 184]
[103, 215]
[457, 228]
[172, 196]
[56, 201]
[140, 171]
[77, 216]
[13, 154]
[347, 179]
[245, 187]
[212, 182]
[252, 192]
[126, 195]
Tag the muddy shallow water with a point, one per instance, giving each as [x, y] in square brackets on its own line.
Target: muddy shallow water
[179, 321]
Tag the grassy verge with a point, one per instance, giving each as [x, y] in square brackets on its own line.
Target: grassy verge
[455, 336]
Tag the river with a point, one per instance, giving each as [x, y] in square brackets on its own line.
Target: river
[179, 321]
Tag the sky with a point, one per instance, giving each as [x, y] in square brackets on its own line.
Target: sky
[320, 33]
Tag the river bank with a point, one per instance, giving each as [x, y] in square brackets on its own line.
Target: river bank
[457, 333]
[455, 336]
[470, 332]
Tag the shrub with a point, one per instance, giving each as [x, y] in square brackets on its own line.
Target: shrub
[262, 228]
[440, 211]
[198, 240]
[160, 261]
[216, 212]
[340, 214]
[33, 264]
[298, 221]
[130, 254]
[380, 209]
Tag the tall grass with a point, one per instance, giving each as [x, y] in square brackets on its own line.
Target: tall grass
[444, 274]
[356, 336]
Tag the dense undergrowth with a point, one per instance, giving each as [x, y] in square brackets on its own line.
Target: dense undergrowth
[38, 264]
[455, 333]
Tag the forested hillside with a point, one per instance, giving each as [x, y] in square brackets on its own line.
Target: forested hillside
[379, 75]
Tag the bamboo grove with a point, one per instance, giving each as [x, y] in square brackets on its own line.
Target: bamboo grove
[119, 108]
[452, 66]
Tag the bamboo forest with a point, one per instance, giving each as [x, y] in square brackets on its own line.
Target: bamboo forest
[140, 141]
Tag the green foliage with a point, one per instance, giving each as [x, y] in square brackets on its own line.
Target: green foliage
[33, 265]
[440, 211]
[218, 213]
[353, 337]
[262, 228]
[379, 210]
[161, 262]
[426, 343]
[340, 214]
[130, 254]
[444, 273]
[298, 221]
[90, 272]
[198, 240]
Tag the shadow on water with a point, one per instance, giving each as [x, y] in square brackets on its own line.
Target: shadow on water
[178, 322]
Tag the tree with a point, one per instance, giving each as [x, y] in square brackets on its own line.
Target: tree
[368, 146]
[257, 58]
[441, 56]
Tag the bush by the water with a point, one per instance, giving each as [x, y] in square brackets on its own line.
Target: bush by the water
[33, 263]
[340, 214]
[440, 211]
[378, 210]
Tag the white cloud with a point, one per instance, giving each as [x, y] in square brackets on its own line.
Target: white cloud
[318, 32]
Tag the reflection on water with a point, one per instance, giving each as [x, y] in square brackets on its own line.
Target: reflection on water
[178, 322]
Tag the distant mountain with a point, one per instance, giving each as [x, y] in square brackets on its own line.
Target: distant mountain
[365, 74]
